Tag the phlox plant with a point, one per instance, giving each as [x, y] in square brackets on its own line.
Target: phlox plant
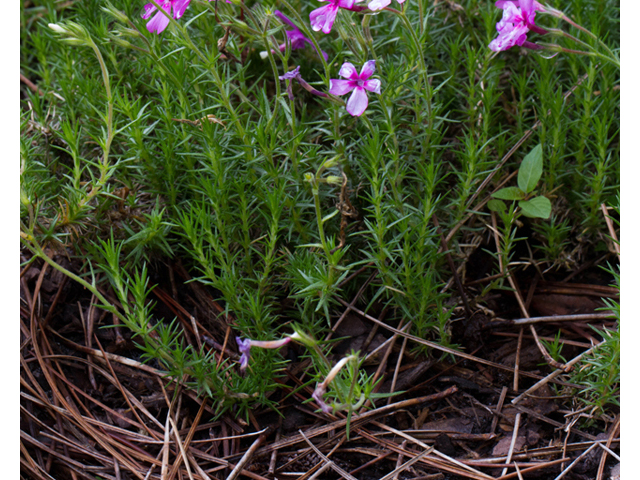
[297, 156]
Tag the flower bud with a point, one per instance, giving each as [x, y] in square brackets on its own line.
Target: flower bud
[72, 33]
[115, 13]
[332, 162]
[121, 42]
[57, 28]
[333, 179]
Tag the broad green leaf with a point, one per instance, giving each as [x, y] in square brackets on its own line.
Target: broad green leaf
[538, 207]
[496, 205]
[530, 170]
[509, 193]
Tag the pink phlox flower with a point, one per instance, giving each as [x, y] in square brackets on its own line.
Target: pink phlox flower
[295, 36]
[160, 21]
[518, 19]
[376, 5]
[244, 347]
[322, 18]
[358, 102]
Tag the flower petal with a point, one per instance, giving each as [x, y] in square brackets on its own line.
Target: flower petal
[349, 71]
[295, 73]
[284, 19]
[297, 39]
[158, 23]
[149, 8]
[511, 15]
[372, 85]
[244, 346]
[322, 18]
[317, 396]
[179, 6]
[341, 87]
[347, 4]
[367, 69]
[516, 35]
[358, 102]
[526, 6]
[376, 5]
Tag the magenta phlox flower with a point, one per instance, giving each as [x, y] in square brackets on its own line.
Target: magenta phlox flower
[295, 36]
[244, 347]
[322, 18]
[518, 19]
[160, 21]
[376, 5]
[358, 102]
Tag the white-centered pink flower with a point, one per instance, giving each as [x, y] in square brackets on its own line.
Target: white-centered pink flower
[376, 5]
[160, 21]
[322, 18]
[358, 83]
[518, 19]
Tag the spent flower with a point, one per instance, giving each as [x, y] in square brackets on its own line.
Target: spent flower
[358, 83]
[295, 36]
[295, 75]
[321, 388]
[244, 346]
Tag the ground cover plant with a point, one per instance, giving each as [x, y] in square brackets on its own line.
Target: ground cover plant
[319, 240]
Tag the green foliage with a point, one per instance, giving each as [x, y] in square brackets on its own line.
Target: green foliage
[599, 372]
[554, 348]
[530, 170]
[528, 177]
[177, 146]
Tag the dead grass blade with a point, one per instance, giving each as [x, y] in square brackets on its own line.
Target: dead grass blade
[327, 461]
[406, 465]
[246, 457]
[566, 470]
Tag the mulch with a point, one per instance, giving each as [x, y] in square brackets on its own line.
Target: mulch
[90, 408]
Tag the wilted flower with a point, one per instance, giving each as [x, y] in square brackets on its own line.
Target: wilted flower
[244, 346]
[321, 388]
[317, 396]
[517, 20]
[295, 36]
[358, 102]
[295, 75]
